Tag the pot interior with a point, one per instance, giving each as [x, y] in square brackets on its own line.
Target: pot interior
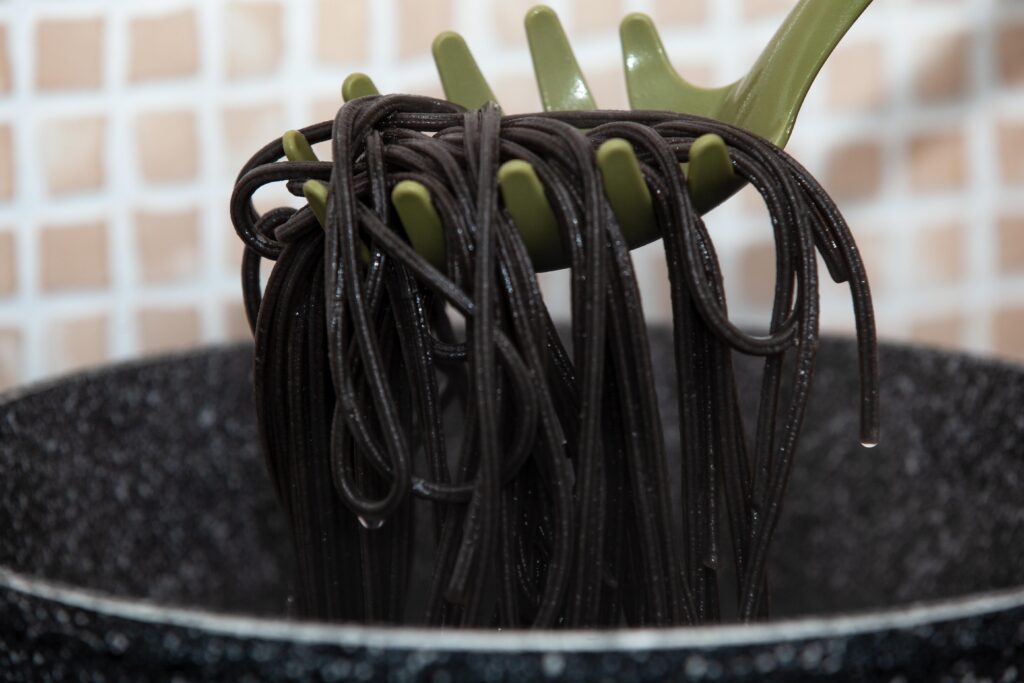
[146, 481]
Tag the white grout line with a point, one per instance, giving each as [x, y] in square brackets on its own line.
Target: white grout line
[213, 219]
[120, 153]
[384, 37]
[982, 250]
[894, 135]
[27, 189]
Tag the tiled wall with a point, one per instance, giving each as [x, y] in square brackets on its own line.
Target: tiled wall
[122, 125]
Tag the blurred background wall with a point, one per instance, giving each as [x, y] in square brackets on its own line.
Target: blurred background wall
[122, 126]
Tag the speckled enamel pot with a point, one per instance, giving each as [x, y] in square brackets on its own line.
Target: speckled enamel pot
[139, 540]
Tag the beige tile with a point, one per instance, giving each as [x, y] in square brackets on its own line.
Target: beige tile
[431, 87]
[757, 273]
[657, 293]
[76, 343]
[12, 360]
[1011, 243]
[6, 80]
[73, 154]
[1010, 144]
[555, 289]
[419, 21]
[854, 170]
[325, 108]
[937, 160]
[939, 253]
[7, 164]
[756, 9]
[266, 268]
[274, 196]
[595, 16]
[167, 245]
[232, 250]
[943, 66]
[873, 244]
[1010, 49]
[1008, 332]
[697, 73]
[669, 12]
[854, 75]
[608, 87]
[164, 46]
[236, 326]
[247, 128]
[73, 257]
[166, 143]
[167, 329]
[944, 331]
[342, 30]
[832, 322]
[751, 202]
[8, 264]
[69, 53]
[517, 93]
[508, 16]
[254, 40]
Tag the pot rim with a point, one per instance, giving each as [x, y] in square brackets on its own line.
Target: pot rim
[913, 615]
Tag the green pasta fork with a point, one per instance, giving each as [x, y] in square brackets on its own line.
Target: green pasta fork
[766, 101]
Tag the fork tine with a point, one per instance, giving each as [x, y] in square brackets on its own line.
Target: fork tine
[651, 80]
[767, 100]
[316, 195]
[411, 199]
[627, 192]
[461, 78]
[559, 77]
[709, 175]
[524, 198]
[421, 221]
[357, 85]
[297, 148]
[562, 87]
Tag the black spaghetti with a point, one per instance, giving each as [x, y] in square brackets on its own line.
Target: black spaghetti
[519, 480]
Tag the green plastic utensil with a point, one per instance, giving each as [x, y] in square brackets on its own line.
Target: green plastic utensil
[766, 101]
[297, 148]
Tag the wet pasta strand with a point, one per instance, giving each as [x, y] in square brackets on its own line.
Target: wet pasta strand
[493, 474]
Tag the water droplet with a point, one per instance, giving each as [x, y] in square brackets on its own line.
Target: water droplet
[868, 444]
[552, 664]
[696, 666]
[371, 523]
[118, 642]
[172, 641]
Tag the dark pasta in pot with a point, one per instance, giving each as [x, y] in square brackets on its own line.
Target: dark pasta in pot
[518, 477]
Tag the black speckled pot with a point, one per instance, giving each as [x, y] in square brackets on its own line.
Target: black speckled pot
[139, 540]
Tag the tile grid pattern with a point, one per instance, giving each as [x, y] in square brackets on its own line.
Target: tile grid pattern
[121, 124]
